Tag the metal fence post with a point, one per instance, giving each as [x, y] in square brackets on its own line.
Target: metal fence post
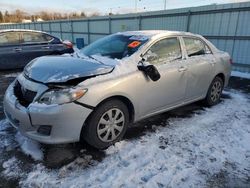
[50, 28]
[110, 25]
[235, 34]
[42, 26]
[88, 31]
[188, 20]
[60, 29]
[139, 26]
[72, 31]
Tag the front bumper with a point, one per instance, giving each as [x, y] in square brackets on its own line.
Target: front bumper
[66, 120]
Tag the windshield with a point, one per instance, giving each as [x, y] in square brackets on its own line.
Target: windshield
[115, 46]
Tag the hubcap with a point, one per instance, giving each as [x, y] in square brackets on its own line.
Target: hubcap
[110, 125]
[216, 91]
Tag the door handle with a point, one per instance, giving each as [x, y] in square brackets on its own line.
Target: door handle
[18, 49]
[45, 47]
[182, 69]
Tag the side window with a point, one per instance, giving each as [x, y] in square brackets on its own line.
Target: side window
[9, 38]
[195, 47]
[163, 51]
[32, 37]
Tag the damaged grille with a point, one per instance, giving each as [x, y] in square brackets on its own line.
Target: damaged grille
[24, 96]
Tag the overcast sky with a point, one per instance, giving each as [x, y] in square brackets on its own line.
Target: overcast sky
[102, 6]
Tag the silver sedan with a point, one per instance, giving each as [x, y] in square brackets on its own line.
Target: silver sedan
[95, 93]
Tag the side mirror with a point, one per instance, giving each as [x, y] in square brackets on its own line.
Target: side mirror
[151, 71]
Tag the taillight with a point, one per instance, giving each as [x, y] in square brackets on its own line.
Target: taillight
[68, 44]
[231, 61]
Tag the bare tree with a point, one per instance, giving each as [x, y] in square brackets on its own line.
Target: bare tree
[1, 17]
[18, 16]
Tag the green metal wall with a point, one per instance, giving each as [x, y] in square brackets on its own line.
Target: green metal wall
[227, 26]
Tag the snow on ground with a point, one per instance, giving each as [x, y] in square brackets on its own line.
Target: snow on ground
[187, 152]
[30, 147]
[3, 125]
[12, 168]
[240, 74]
[6, 141]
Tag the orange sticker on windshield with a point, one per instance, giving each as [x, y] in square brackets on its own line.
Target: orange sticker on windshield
[134, 44]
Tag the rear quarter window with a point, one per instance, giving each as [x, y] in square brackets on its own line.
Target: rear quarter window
[195, 47]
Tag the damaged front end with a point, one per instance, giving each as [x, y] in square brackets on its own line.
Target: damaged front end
[40, 103]
[45, 112]
[64, 70]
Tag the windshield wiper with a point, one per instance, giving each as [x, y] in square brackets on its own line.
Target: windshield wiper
[87, 56]
[95, 59]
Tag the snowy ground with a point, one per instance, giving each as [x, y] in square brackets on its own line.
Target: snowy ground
[180, 152]
[189, 147]
[241, 74]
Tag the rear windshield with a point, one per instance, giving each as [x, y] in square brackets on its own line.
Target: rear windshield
[115, 46]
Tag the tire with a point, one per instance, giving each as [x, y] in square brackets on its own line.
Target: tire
[214, 92]
[102, 129]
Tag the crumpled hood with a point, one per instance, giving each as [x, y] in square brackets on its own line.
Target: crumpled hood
[60, 69]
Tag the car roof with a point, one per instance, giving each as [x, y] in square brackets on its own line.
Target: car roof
[152, 33]
[156, 34]
[21, 30]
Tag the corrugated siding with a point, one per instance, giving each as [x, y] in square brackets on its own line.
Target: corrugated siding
[124, 25]
[244, 24]
[99, 26]
[80, 26]
[165, 23]
[228, 28]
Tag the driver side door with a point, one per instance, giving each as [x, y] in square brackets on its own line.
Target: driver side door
[169, 90]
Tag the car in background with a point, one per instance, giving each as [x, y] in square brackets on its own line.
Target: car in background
[94, 94]
[19, 46]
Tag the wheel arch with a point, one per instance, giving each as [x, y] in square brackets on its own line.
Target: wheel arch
[121, 98]
[222, 76]
[126, 101]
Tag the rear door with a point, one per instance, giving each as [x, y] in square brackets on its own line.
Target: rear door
[35, 44]
[169, 90]
[200, 64]
[10, 50]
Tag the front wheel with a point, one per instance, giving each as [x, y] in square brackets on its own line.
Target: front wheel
[214, 92]
[107, 124]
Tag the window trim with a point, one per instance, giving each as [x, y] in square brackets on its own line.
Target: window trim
[178, 37]
[196, 38]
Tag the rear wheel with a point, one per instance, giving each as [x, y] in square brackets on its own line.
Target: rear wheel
[214, 92]
[107, 124]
